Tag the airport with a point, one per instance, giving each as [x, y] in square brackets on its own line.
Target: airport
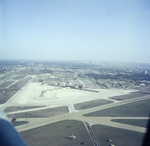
[43, 100]
[75, 72]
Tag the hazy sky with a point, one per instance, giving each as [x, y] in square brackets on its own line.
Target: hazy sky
[100, 30]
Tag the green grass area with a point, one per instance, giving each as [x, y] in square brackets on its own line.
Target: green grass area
[129, 96]
[18, 123]
[56, 134]
[6, 94]
[42, 113]
[5, 84]
[90, 104]
[18, 108]
[136, 109]
[19, 77]
[135, 122]
[119, 137]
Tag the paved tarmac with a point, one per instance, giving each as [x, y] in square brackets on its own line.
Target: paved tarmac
[78, 115]
[73, 114]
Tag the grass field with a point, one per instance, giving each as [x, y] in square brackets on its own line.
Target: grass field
[136, 122]
[18, 108]
[19, 77]
[56, 134]
[42, 113]
[18, 123]
[90, 104]
[119, 137]
[6, 94]
[136, 109]
[5, 84]
[4, 77]
[129, 96]
[24, 115]
[145, 89]
[20, 84]
[24, 73]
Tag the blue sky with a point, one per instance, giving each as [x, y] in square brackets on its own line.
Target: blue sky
[99, 30]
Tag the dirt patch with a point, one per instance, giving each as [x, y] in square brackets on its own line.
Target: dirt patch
[90, 104]
[6, 94]
[56, 134]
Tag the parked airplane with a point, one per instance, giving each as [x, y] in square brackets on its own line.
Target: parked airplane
[72, 136]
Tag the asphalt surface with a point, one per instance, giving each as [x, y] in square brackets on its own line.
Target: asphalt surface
[78, 115]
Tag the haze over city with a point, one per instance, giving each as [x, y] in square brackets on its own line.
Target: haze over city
[110, 30]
